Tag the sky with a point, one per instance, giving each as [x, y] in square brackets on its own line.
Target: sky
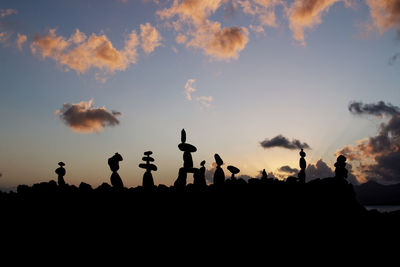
[252, 80]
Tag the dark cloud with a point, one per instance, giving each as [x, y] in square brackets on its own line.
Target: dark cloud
[84, 118]
[288, 169]
[281, 141]
[319, 170]
[377, 109]
[377, 156]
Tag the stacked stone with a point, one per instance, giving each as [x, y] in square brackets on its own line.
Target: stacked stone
[340, 167]
[115, 179]
[219, 175]
[303, 165]
[148, 182]
[233, 171]
[187, 149]
[199, 177]
[60, 171]
[264, 175]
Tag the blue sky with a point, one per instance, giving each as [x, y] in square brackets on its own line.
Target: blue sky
[261, 85]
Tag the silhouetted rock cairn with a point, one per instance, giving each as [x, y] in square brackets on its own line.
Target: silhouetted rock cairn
[264, 175]
[199, 177]
[340, 167]
[234, 171]
[187, 149]
[148, 182]
[219, 175]
[115, 179]
[60, 171]
[303, 165]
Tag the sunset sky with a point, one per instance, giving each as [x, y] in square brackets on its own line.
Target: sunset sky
[251, 80]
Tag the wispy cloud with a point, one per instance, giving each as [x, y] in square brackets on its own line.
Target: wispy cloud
[150, 37]
[7, 12]
[263, 10]
[204, 101]
[385, 14]
[21, 39]
[306, 14]
[83, 118]
[189, 89]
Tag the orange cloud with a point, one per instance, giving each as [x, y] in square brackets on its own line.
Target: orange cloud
[81, 53]
[220, 44]
[194, 28]
[84, 118]
[21, 39]
[385, 14]
[150, 37]
[305, 14]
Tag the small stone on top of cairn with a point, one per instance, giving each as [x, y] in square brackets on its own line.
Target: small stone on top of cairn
[233, 170]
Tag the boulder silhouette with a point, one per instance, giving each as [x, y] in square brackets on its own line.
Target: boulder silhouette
[116, 181]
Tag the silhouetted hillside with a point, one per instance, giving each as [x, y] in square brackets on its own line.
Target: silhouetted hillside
[373, 193]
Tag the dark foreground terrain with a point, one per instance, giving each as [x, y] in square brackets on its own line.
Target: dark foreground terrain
[256, 204]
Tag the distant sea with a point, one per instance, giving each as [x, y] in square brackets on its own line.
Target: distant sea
[383, 208]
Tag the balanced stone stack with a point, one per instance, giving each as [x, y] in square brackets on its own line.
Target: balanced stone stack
[303, 165]
[187, 149]
[233, 171]
[148, 182]
[113, 162]
[340, 170]
[199, 177]
[60, 171]
[219, 175]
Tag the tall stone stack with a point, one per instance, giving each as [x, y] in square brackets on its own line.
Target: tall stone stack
[219, 175]
[148, 181]
[60, 171]
[303, 165]
[187, 150]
